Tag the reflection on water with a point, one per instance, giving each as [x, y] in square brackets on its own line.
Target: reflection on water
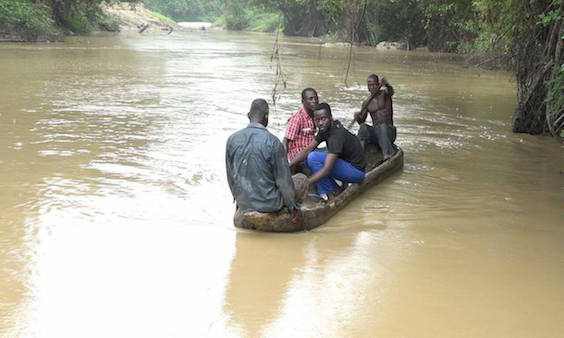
[116, 218]
[259, 277]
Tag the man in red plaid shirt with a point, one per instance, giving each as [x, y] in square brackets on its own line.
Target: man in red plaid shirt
[301, 129]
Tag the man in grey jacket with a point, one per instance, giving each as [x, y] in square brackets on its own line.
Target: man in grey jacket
[257, 168]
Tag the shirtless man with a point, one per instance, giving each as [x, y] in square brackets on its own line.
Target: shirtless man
[379, 105]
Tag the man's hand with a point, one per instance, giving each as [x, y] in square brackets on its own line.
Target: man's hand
[383, 81]
[385, 87]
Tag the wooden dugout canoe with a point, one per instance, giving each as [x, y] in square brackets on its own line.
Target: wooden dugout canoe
[316, 213]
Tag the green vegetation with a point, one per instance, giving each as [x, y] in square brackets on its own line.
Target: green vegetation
[82, 17]
[261, 21]
[163, 18]
[187, 10]
[49, 19]
[536, 36]
[446, 25]
[233, 15]
[251, 19]
[24, 18]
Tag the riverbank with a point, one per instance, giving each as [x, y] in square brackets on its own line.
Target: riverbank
[23, 20]
[26, 21]
[135, 17]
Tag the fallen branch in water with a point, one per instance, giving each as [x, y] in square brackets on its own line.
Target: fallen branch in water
[143, 27]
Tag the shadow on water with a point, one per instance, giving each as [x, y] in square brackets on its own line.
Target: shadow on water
[259, 279]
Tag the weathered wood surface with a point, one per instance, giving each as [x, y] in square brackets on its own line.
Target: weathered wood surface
[316, 213]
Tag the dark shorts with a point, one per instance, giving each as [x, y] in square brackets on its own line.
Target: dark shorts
[382, 135]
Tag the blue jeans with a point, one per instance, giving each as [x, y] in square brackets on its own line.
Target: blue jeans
[342, 170]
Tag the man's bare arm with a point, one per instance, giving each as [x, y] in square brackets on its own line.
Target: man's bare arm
[360, 116]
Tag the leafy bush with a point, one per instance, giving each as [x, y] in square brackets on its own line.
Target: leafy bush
[260, 21]
[400, 21]
[78, 22]
[187, 10]
[236, 18]
[31, 20]
[34, 19]
[107, 22]
[86, 16]
[239, 16]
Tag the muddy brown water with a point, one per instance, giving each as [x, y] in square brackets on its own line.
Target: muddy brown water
[115, 215]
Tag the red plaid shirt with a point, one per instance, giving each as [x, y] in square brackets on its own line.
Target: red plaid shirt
[300, 132]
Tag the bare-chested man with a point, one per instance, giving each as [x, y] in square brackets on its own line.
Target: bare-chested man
[379, 105]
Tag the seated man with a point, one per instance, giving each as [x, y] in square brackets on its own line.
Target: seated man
[301, 129]
[379, 105]
[344, 159]
[257, 169]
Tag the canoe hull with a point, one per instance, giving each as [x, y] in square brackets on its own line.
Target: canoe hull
[315, 214]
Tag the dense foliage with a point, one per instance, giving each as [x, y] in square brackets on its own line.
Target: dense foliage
[34, 19]
[444, 25]
[535, 34]
[26, 18]
[187, 10]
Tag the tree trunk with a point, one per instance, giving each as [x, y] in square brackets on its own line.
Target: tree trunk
[538, 55]
[352, 19]
[555, 102]
[61, 11]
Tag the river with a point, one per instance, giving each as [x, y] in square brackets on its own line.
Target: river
[115, 214]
